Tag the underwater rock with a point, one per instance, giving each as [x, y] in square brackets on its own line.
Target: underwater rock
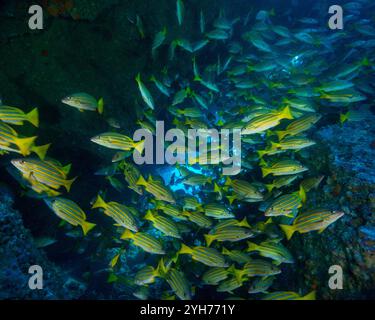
[347, 159]
[18, 252]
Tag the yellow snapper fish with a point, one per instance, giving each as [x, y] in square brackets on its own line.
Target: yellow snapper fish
[157, 189]
[232, 223]
[282, 182]
[271, 249]
[165, 225]
[179, 284]
[243, 191]
[261, 285]
[217, 211]
[208, 256]
[70, 212]
[299, 125]
[214, 276]
[312, 220]
[170, 210]
[288, 295]
[117, 141]
[283, 167]
[267, 121]
[232, 234]
[231, 284]
[198, 218]
[117, 212]
[145, 93]
[311, 183]
[236, 256]
[132, 174]
[286, 205]
[292, 143]
[8, 137]
[146, 275]
[145, 241]
[44, 172]
[259, 268]
[83, 101]
[16, 116]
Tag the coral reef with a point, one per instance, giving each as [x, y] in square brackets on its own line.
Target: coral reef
[18, 252]
[346, 152]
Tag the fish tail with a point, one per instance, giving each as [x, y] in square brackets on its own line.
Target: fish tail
[101, 106]
[209, 239]
[197, 78]
[288, 230]
[127, 235]
[286, 113]
[216, 188]
[99, 203]
[302, 193]
[149, 216]
[33, 117]
[231, 199]
[225, 251]
[185, 249]
[67, 168]
[24, 144]
[261, 153]
[270, 187]
[228, 181]
[239, 274]
[161, 270]
[252, 246]
[244, 223]
[309, 296]
[87, 226]
[41, 151]
[344, 117]
[141, 181]
[269, 221]
[138, 78]
[274, 145]
[265, 172]
[280, 134]
[139, 146]
[68, 183]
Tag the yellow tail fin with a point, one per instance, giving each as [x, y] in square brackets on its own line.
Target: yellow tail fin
[41, 151]
[252, 246]
[149, 216]
[281, 134]
[33, 117]
[139, 146]
[244, 223]
[270, 187]
[68, 183]
[87, 226]
[141, 181]
[127, 235]
[99, 203]
[185, 249]
[266, 172]
[209, 239]
[101, 106]
[309, 296]
[286, 113]
[24, 144]
[231, 198]
[344, 117]
[288, 230]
